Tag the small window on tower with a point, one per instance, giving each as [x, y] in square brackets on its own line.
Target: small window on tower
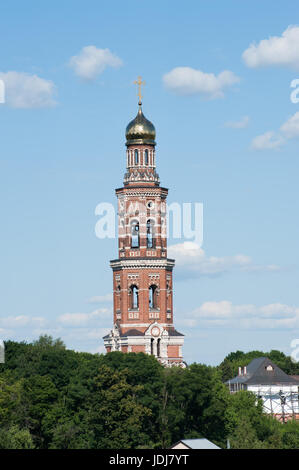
[146, 157]
[136, 157]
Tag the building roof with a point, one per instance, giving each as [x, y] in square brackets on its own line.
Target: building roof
[196, 444]
[173, 332]
[262, 371]
[132, 332]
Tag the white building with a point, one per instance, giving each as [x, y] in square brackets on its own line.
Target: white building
[277, 390]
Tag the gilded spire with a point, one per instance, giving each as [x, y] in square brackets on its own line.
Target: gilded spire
[139, 83]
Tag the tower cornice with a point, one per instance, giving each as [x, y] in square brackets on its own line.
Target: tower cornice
[133, 190]
[144, 263]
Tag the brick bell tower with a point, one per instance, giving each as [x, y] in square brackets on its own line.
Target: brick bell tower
[142, 273]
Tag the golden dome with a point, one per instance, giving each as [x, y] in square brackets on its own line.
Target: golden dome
[140, 130]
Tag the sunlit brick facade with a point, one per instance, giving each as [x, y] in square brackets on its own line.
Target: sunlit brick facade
[142, 273]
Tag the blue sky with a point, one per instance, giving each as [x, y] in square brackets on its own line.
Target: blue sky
[218, 78]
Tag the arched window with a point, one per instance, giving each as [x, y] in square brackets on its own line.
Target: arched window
[150, 241]
[134, 298]
[146, 157]
[136, 157]
[153, 297]
[158, 347]
[135, 234]
[118, 290]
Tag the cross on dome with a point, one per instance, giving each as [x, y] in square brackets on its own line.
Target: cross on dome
[139, 83]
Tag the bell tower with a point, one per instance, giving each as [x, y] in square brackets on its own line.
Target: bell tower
[142, 273]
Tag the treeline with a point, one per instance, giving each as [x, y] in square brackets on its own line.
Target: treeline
[54, 398]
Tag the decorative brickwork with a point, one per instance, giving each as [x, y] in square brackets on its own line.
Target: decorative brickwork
[142, 273]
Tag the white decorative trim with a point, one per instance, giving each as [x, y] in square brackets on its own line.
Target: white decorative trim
[154, 276]
[144, 325]
[142, 263]
[147, 192]
[149, 342]
[133, 276]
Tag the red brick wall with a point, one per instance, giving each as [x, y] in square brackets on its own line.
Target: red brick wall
[122, 299]
[173, 351]
[138, 348]
[133, 200]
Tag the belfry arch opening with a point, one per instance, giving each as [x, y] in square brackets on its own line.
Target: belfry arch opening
[134, 234]
[150, 235]
[134, 297]
[153, 291]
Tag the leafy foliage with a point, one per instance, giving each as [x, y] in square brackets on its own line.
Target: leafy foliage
[55, 398]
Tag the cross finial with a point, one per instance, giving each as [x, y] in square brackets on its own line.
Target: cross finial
[139, 83]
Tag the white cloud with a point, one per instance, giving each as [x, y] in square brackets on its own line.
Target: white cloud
[291, 127]
[189, 81]
[225, 313]
[97, 299]
[241, 124]
[270, 140]
[21, 321]
[99, 350]
[79, 331]
[274, 140]
[91, 62]
[277, 50]
[97, 333]
[79, 319]
[191, 259]
[23, 90]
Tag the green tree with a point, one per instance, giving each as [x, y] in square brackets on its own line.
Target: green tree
[46, 341]
[116, 415]
[38, 396]
[244, 436]
[15, 438]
